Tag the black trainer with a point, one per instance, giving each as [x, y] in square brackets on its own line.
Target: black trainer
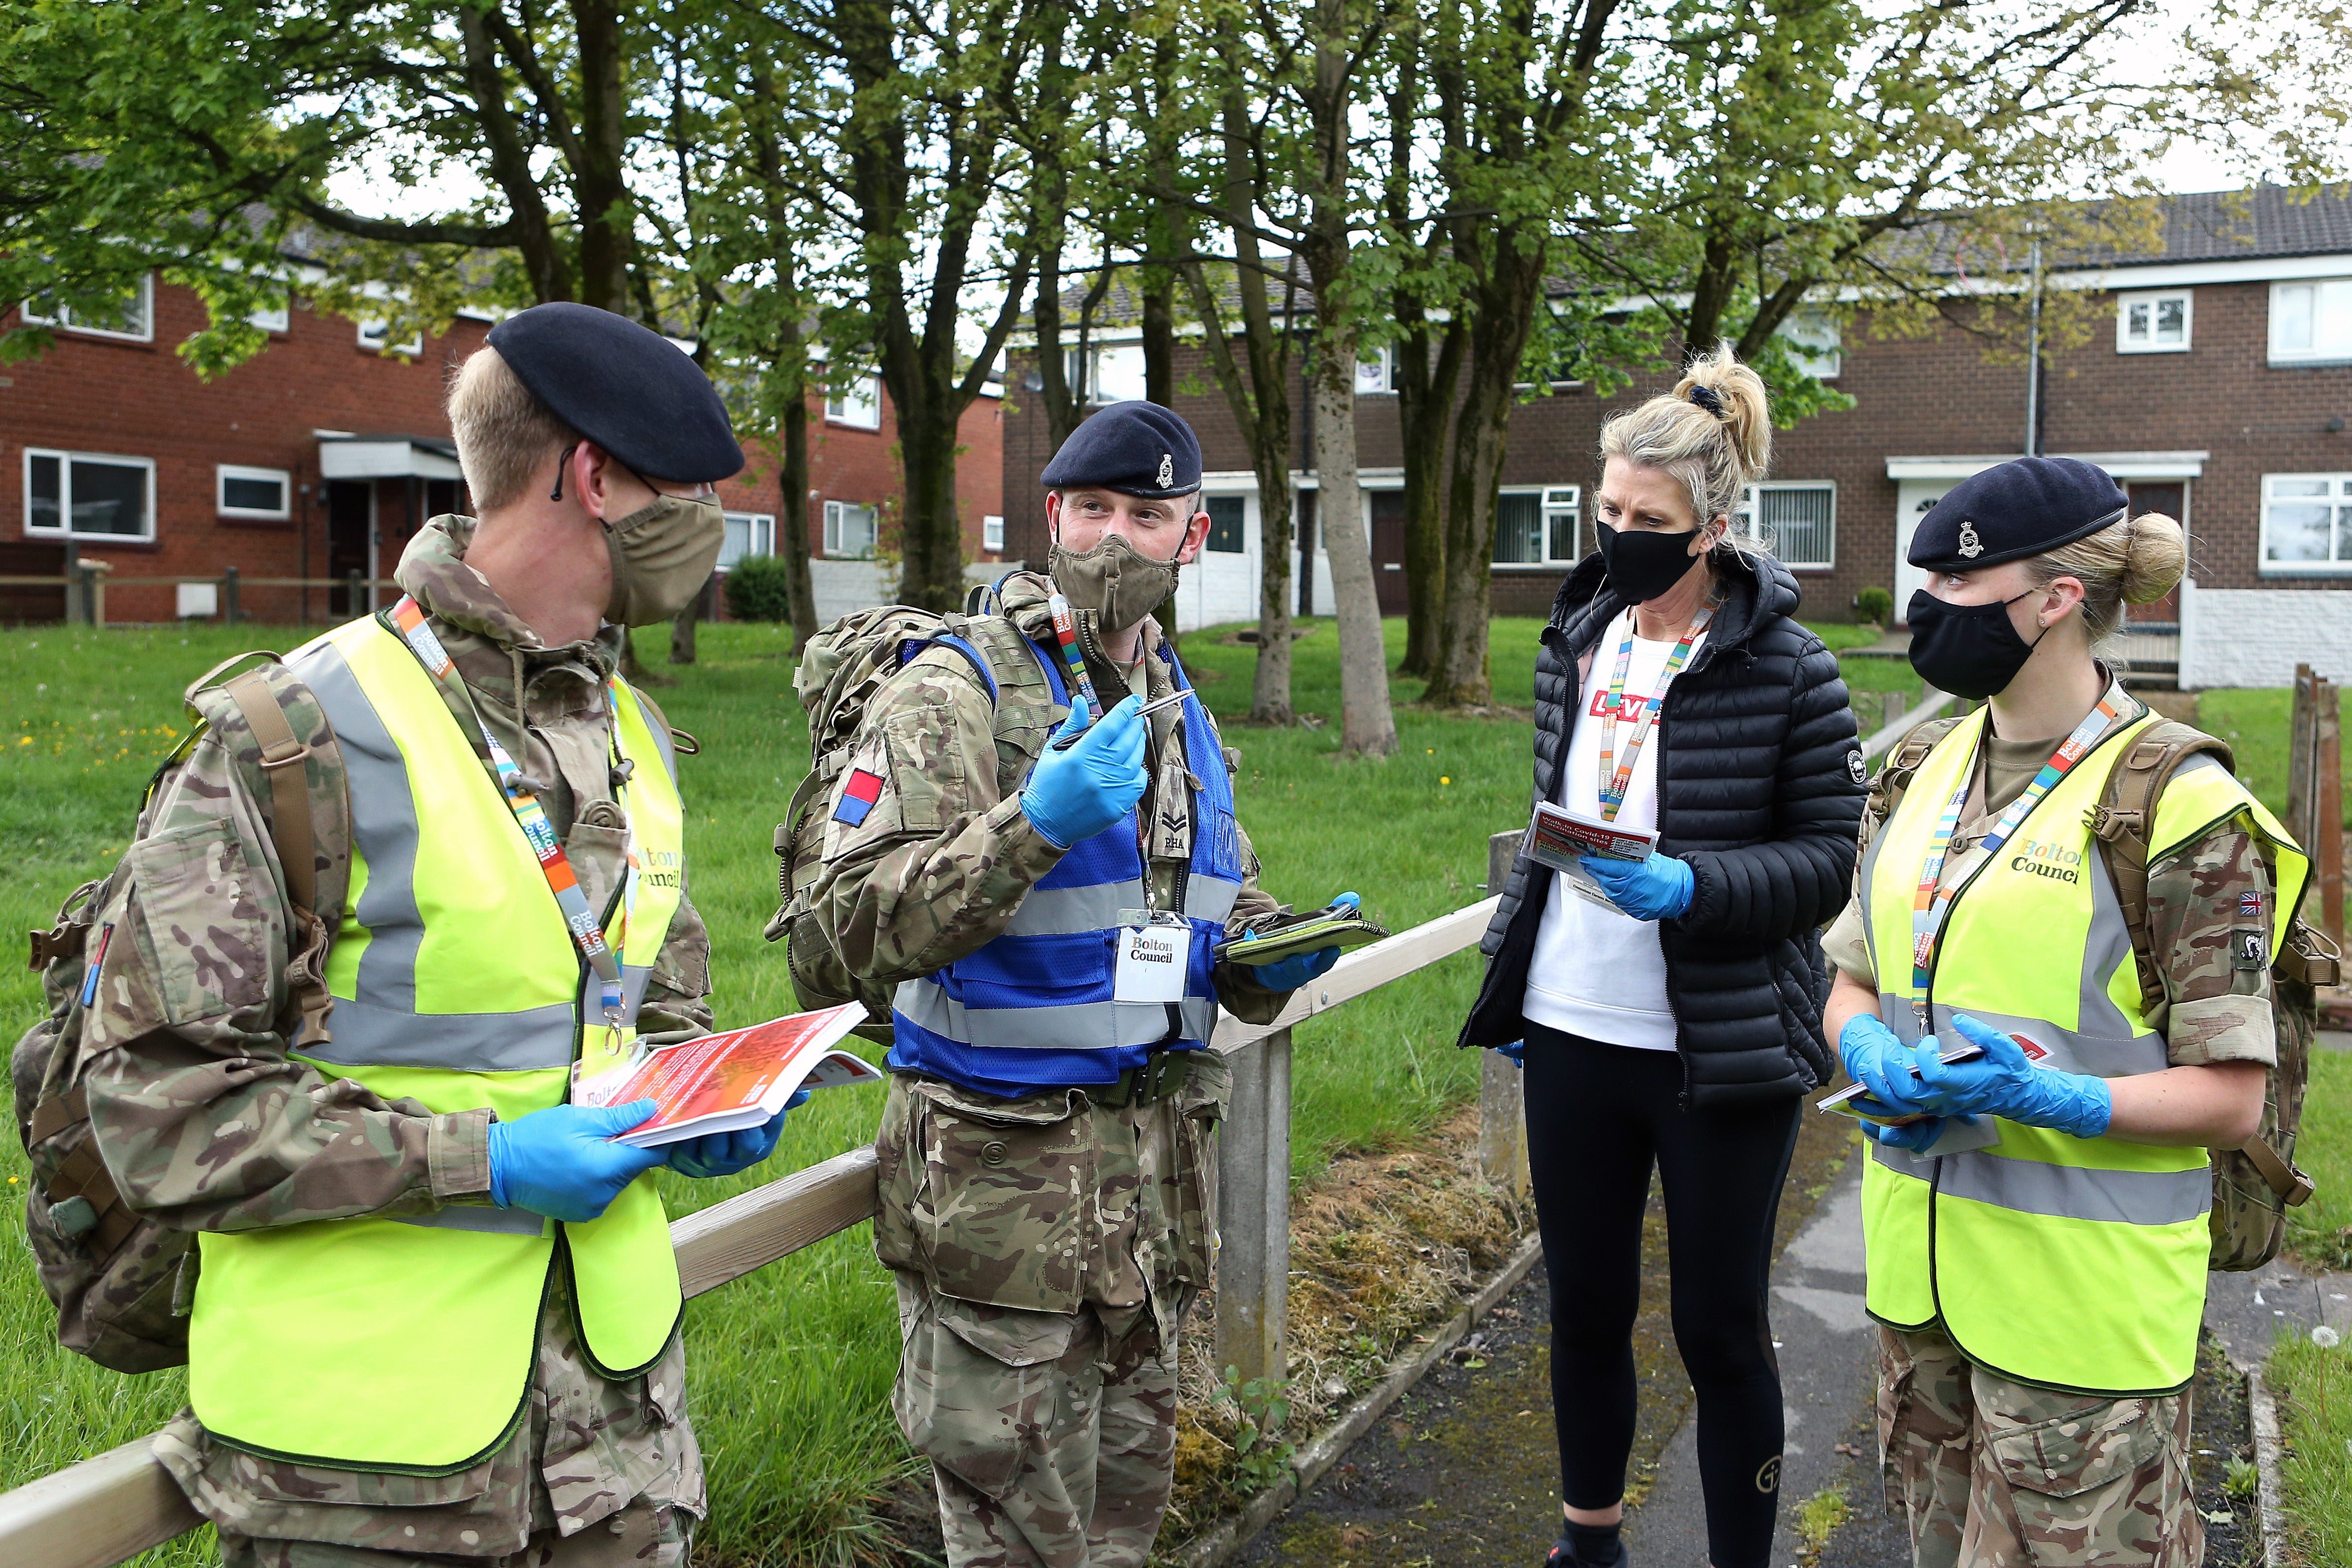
[1563, 1555]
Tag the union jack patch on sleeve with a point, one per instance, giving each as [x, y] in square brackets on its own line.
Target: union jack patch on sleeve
[2250, 906]
[857, 797]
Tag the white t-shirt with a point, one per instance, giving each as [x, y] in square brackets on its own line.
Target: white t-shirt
[1597, 972]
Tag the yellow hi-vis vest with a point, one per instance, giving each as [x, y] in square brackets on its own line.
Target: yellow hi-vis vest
[407, 1345]
[2073, 1263]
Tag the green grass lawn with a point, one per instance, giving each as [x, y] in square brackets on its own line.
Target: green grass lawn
[2255, 723]
[2313, 1386]
[2321, 1229]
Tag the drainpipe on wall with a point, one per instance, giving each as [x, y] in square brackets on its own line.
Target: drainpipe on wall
[2034, 359]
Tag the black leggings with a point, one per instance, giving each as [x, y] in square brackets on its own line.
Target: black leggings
[1597, 1116]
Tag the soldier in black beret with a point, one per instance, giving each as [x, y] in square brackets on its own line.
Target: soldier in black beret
[1964, 636]
[638, 435]
[1122, 506]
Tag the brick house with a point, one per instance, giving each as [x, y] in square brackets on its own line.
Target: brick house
[2217, 390]
[321, 457]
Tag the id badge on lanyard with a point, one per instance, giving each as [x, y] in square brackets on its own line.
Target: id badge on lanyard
[1153, 954]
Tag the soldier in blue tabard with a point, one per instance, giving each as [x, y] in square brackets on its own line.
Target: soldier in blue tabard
[1047, 918]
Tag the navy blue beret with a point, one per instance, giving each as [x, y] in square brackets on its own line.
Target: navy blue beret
[626, 388]
[2020, 508]
[1134, 448]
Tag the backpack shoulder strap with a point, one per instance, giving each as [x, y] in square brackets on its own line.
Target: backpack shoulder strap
[2125, 818]
[282, 756]
[1895, 777]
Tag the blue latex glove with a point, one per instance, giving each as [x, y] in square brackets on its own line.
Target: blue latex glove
[1516, 1051]
[558, 1163]
[1076, 794]
[1915, 1136]
[1658, 888]
[1289, 974]
[2004, 1082]
[724, 1154]
[1882, 1064]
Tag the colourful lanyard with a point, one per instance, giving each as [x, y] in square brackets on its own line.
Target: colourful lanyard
[1931, 906]
[532, 817]
[1614, 782]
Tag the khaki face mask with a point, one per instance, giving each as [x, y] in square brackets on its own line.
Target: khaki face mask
[662, 555]
[1118, 582]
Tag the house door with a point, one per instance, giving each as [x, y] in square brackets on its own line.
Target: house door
[2170, 497]
[1913, 498]
[351, 543]
[1388, 550]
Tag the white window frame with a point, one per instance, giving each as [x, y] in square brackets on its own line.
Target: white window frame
[64, 322]
[839, 408]
[224, 472]
[280, 320]
[991, 532]
[2339, 496]
[372, 333]
[1096, 396]
[1569, 499]
[1816, 343]
[836, 515]
[1745, 519]
[66, 460]
[1546, 505]
[2153, 298]
[2316, 354]
[1382, 381]
[763, 526]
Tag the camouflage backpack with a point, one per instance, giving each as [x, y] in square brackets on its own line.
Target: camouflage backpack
[2256, 1183]
[840, 671]
[122, 1283]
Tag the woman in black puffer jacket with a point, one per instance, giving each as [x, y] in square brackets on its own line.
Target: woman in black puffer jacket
[1667, 1011]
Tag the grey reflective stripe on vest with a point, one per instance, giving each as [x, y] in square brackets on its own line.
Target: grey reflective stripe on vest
[490, 1221]
[2077, 1192]
[378, 1025]
[1073, 911]
[369, 1036]
[1209, 898]
[1081, 1026]
[2063, 1192]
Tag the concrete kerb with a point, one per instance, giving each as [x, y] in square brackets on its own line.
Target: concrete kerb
[1323, 1450]
[2263, 1416]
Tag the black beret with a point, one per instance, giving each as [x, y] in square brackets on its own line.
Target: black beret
[1134, 448]
[2022, 508]
[626, 388]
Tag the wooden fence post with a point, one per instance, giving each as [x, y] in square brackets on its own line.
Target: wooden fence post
[357, 602]
[1253, 1213]
[2314, 788]
[229, 616]
[1502, 1102]
[93, 593]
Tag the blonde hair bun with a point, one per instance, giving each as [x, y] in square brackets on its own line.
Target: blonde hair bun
[1738, 399]
[2156, 558]
[1713, 432]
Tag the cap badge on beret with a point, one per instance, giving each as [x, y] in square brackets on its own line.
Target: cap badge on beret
[1166, 470]
[1970, 546]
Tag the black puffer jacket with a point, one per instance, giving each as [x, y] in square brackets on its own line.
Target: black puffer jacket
[1761, 785]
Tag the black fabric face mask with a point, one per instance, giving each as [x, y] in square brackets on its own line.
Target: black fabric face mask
[1644, 564]
[1968, 649]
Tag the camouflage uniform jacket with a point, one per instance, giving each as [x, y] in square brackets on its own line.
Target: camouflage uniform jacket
[207, 1124]
[945, 855]
[2214, 1011]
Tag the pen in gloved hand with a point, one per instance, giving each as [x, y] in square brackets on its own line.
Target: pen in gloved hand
[1064, 743]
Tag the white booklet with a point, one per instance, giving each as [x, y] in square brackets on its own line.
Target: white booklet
[1558, 837]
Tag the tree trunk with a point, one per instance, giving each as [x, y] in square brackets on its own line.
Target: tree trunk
[1159, 296]
[1512, 289]
[1367, 722]
[681, 631]
[1425, 415]
[793, 540]
[931, 531]
[607, 216]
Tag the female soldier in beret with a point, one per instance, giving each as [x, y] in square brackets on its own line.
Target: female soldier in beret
[2036, 1216]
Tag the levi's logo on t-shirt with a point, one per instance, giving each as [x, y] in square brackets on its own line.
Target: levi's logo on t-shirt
[1629, 706]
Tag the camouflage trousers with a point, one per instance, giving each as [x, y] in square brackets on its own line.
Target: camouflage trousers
[1997, 1474]
[642, 1535]
[1047, 1250]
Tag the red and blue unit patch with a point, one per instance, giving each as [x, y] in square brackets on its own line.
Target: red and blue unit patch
[857, 797]
[2250, 906]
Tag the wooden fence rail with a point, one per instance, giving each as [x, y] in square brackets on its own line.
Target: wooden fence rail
[104, 1510]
